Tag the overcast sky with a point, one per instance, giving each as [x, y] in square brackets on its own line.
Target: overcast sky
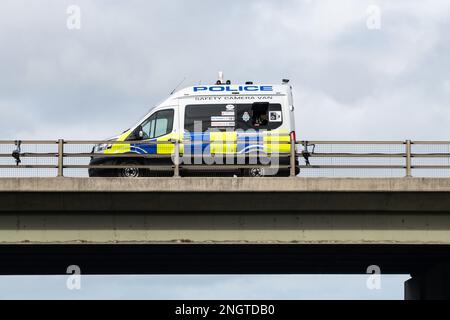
[350, 82]
[234, 287]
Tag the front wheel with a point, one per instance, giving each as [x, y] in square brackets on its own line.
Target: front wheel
[130, 172]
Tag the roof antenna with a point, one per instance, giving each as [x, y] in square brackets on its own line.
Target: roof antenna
[178, 85]
[220, 81]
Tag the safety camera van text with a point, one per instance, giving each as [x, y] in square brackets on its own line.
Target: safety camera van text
[220, 130]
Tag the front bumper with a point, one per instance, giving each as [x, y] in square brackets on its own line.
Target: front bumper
[101, 172]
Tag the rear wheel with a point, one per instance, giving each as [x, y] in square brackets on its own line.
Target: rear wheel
[256, 172]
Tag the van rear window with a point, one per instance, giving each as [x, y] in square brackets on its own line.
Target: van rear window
[222, 117]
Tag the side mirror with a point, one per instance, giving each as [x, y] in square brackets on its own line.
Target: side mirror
[137, 134]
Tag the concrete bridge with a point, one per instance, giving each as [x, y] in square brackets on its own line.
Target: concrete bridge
[229, 225]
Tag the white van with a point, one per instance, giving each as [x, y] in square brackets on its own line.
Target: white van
[224, 120]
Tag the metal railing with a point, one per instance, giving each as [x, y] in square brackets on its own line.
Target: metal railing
[402, 156]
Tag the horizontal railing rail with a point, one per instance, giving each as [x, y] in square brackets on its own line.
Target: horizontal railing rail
[310, 152]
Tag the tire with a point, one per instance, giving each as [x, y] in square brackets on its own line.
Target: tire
[256, 172]
[130, 172]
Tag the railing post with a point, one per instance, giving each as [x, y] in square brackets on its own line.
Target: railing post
[60, 158]
[292, 158]
[176, 173]
[408, 159]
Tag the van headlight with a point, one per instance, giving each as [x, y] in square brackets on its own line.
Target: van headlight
[102, 147]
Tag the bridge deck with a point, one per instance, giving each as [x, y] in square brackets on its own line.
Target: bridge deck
[223, 225]
[225, 185]
[225, 210]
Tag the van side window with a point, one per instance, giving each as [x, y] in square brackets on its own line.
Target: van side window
[260, 115]
[232, 116]
[200, 118]
[159, 124]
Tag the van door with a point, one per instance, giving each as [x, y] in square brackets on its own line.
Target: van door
[159, 126]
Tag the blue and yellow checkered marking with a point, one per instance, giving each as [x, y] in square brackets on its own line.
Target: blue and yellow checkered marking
[210, 142]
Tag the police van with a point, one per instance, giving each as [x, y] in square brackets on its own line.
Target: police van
[232, 124]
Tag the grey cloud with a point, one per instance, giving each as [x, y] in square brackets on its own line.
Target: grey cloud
[350, 83]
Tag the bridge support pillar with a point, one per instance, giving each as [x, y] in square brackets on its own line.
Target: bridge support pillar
[433, 284]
